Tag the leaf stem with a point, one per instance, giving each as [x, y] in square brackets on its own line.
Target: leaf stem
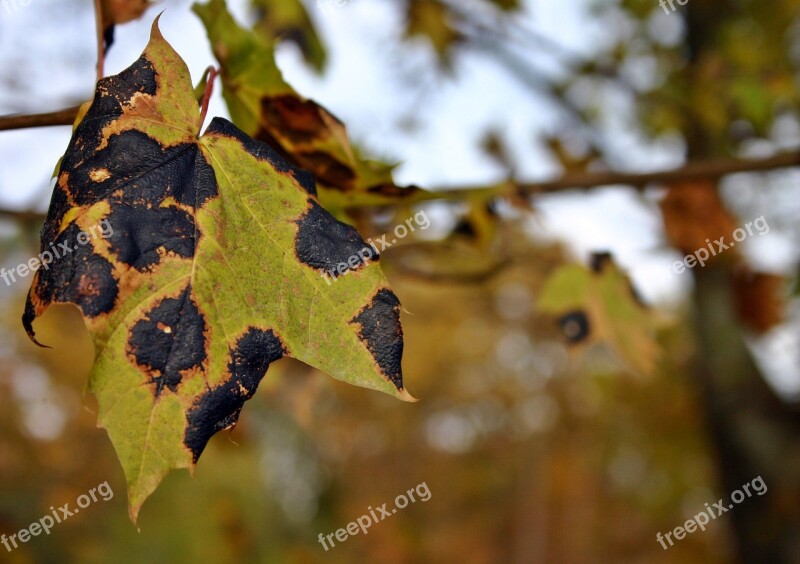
[212, 74]
[101, 50]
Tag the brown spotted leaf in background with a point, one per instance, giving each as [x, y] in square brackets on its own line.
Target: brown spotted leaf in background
[264, 106]
[214, 266]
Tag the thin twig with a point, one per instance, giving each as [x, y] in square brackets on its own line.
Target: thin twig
[701, 170]
[22, 216]
[61, 117]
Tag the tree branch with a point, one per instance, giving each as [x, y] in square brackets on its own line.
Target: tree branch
[61, 117]
[22, 216]
[701, 170]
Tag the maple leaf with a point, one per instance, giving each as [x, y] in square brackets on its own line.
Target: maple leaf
[212, 269]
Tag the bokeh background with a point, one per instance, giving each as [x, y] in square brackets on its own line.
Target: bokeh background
[538, 444]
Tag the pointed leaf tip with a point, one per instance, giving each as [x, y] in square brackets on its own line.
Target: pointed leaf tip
[405, 396]
[155, 31]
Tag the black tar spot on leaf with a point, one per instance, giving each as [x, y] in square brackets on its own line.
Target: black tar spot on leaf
[381, 332]
[112, 93]
[575, 326]
[324, 242]
[79, 276]
[169, 339]
[139, 232]
[219, 408]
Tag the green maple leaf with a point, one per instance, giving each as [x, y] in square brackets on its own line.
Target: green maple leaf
[212, 269]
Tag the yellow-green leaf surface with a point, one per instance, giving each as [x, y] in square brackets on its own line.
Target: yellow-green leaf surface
[212, 265]
[264, 106]
[599, 304]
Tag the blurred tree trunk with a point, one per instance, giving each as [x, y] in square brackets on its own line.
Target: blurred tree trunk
[753, 431]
